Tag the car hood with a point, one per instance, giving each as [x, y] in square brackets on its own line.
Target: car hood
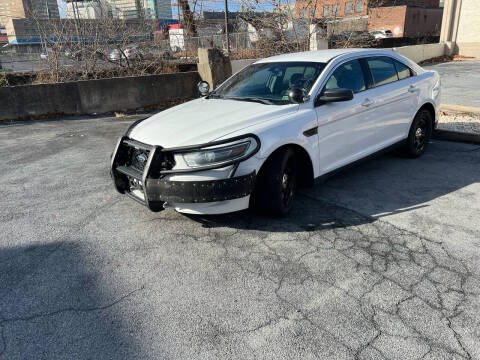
[204, 120]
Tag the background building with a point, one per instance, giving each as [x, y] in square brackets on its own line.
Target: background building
[40, 9]
[119, 9]
[134, 9]
[461, 26]
[163, 9]
[408, 21]
[351, 8]
[409, 18]
[88, 9]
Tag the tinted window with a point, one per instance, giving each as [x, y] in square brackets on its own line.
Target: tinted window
[347, 76]
[383, 71]
[402, 70]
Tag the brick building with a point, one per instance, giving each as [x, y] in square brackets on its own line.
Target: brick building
[328, 9]
[406, 21]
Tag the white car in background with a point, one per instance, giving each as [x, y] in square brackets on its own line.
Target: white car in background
[280, 123]
[381, 34]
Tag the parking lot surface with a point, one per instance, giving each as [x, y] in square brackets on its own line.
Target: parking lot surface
[381, 262]
[460, 81]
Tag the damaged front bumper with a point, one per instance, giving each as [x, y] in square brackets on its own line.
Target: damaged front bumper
[140, 171]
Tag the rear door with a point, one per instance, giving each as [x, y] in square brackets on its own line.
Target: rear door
[396, 98]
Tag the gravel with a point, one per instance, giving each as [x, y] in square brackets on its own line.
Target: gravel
[466, 123]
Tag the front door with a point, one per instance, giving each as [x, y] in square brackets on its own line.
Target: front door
[346, 130]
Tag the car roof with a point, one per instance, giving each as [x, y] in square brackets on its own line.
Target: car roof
[321, 56]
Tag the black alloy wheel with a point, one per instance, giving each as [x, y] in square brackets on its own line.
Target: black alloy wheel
[276, 184]
[419, 134]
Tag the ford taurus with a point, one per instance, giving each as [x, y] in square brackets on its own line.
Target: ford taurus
[278, 124]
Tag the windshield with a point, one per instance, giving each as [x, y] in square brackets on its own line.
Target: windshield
[269, 83]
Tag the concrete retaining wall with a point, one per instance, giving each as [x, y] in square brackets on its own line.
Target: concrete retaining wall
[95, 96]
[420, 53]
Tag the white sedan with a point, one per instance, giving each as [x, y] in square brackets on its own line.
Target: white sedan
[381, 34]
[280, 123]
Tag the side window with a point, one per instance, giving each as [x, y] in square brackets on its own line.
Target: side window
[403, 70]
[383, 71]
[347, 76]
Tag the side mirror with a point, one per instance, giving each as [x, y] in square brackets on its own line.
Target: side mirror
[204, 88]
[335, 95]
[296, 95]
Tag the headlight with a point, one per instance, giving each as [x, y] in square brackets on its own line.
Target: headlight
[216, 155]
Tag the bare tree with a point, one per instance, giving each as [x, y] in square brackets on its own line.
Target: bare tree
[79, 48]
[188, 18]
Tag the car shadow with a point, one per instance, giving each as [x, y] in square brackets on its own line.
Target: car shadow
[54, 305]
[386, 185]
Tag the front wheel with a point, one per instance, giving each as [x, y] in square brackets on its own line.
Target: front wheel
[419, 134]
[276, 184]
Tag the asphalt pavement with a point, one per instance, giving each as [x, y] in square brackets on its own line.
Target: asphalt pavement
[380, 262]
[460, 82]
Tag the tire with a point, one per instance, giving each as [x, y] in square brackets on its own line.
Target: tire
[276, 184]
[419, 134]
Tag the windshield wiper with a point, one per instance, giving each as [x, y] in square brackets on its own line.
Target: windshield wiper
[252, 99]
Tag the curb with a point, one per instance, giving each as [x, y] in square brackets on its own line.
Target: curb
[460, 108]
[456, 136]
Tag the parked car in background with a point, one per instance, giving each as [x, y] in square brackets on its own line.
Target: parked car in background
[45, 54]
[381, 34]
[129, 52]
[82, 54]
[134, 52]
[359, 35]
[280, 123]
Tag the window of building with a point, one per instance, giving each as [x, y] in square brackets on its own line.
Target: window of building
[347, 76]
[335, 11]
[348, 7]
[312, 13]
[326, 10]
[383, 71]
[359, 6]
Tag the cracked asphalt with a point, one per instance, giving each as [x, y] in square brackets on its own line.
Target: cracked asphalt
[381, 262]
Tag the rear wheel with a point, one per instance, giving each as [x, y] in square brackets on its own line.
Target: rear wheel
[276, 184]
[419, 135]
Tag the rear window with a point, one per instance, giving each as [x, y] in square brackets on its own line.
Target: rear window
[403, 70]
[383, 70]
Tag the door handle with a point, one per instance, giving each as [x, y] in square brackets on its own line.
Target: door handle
[412, 89]
[367, 102]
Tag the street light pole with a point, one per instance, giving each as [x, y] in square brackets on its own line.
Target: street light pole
[226, 27]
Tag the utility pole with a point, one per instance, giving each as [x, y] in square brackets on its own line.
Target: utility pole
[226, 27]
